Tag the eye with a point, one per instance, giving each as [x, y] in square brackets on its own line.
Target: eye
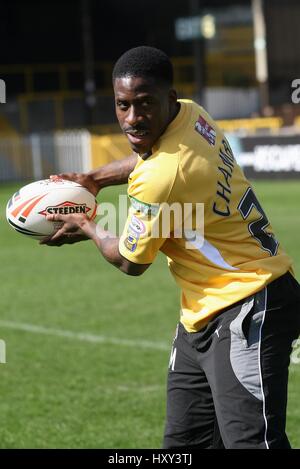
[146, 103]
[123, 105]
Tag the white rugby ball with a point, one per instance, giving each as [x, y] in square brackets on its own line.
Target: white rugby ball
[27, 209]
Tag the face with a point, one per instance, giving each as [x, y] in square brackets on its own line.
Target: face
[144, 109]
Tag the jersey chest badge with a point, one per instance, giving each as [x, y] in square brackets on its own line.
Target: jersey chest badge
[203, 128]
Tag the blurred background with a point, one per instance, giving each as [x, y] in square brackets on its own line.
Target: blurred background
[238, 58]
[87, 348]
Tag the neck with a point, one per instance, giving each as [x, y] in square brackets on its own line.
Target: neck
[174, 112]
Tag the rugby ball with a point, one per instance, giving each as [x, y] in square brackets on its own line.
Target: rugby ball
[27, 209]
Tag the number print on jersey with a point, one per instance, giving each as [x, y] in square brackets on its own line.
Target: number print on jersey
[257, 227]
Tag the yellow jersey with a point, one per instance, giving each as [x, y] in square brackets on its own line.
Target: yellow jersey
[223, 255]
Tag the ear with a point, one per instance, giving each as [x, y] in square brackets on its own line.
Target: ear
[172, 96]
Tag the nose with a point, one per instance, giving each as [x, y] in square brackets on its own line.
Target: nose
[134, 116]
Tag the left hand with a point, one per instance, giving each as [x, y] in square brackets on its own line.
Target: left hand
[84, 180]
[76, 227]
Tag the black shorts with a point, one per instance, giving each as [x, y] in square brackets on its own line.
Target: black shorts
[227, 384]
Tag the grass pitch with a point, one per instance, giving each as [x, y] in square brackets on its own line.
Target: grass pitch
[88, 347]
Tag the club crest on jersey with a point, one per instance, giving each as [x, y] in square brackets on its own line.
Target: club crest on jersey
[65, 208]
[203, 128]
[131, 243]
[137, 225]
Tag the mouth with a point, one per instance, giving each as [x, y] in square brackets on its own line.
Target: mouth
[137, 136]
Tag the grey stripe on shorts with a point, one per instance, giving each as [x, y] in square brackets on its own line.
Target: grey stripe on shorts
[244, 352]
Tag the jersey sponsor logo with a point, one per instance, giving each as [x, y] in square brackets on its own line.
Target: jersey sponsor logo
[65, 208]
[203, 128]
[131, 243]
[144, 207]
[137, 226]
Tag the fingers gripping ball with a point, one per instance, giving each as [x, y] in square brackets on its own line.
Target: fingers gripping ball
[28, 208]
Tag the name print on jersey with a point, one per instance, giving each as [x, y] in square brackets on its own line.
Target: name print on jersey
[222, 202]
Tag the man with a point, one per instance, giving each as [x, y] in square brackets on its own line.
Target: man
[228, 372]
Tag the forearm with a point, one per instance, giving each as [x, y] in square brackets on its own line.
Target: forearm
[108, 245]
[106, 242]
[114, 173]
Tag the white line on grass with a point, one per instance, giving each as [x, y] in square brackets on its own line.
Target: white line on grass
[83, 336]
[142, 389]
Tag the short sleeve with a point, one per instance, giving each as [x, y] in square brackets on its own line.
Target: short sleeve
[146, 230]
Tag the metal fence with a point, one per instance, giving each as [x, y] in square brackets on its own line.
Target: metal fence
[38, 155]
[33, 157]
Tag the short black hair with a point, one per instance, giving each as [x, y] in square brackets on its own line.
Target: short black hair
[145, 62]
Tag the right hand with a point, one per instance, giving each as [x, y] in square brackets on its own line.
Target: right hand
[84, 180]
[67, 233]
